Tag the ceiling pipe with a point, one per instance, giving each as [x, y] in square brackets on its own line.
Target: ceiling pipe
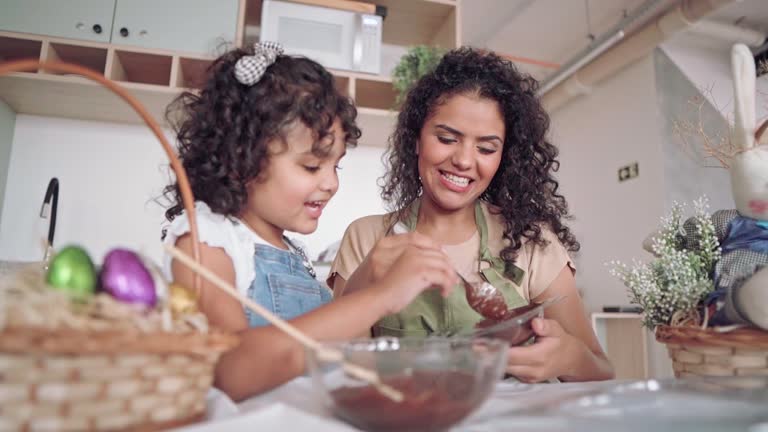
[632, 21]
[634, 47]
[530, 61]
[560, 75]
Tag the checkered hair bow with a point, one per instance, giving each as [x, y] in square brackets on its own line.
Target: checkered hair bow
[249, 69]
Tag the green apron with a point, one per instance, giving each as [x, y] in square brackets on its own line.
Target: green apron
[431, 313]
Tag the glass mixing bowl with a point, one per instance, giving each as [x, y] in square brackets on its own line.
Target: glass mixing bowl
[442, 380]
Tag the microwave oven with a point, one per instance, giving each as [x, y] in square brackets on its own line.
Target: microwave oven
[335, 38]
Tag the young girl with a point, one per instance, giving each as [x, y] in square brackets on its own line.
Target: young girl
[261, 145]
[470, 167]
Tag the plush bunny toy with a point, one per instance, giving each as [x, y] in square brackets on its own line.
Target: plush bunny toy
[741, 275]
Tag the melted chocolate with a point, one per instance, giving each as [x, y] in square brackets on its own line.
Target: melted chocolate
[433, 401]
[514, 334]
[486, 300]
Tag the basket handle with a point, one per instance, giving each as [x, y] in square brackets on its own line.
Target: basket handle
[181, 175]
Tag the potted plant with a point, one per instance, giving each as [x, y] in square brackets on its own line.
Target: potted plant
[418, 61]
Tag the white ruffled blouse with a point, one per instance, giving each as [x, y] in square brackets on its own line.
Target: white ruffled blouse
[226, 232]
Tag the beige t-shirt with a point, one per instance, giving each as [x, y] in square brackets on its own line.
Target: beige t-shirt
[541, 264]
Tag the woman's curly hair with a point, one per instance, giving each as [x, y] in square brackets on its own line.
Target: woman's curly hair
[524, 188]
[224, 131]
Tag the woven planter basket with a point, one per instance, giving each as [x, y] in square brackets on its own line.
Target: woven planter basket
[706, 352]
[107, 379]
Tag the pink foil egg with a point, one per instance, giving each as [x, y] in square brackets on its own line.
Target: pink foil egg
[124, 277]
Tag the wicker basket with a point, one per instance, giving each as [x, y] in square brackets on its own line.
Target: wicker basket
[105, 380]
[118, 378]
[707, 352]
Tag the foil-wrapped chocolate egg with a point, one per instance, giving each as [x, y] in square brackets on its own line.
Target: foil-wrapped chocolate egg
[71, 270]
[161, 284]
[181, 300]
[124, 276]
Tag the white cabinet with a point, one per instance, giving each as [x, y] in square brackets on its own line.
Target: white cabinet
[74, 19]
[191, 26]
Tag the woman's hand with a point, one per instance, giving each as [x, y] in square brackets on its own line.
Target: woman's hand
[551, 356]
[566, 346]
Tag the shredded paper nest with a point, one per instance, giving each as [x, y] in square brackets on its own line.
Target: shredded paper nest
[26, 301]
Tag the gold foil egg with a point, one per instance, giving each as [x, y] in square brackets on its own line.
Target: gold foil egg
[181, 300]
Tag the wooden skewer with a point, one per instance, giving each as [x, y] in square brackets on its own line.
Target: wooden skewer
[325, 353]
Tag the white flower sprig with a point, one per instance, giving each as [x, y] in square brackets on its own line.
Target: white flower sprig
[679, 278]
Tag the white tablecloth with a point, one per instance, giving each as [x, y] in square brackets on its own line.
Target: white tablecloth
[514, 406]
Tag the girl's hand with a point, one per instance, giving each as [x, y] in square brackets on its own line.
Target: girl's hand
[551, 356]
[390, 248]
[382, 257]
[414, 271]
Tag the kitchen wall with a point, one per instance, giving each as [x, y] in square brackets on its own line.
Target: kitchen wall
[108, 173]
[688, 173]
[110, 176]
[617, 124]
[7, 126]
[706, 63]
[358, 196]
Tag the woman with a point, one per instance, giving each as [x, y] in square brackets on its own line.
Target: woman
[471, 170]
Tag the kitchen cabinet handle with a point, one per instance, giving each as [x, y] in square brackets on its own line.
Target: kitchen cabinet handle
[124, 32]
[97, 28]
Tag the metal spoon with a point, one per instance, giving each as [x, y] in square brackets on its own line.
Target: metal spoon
[485, 299]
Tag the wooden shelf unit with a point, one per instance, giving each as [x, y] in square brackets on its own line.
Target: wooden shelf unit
[424, 22]
[408, 22]
[13, 48]
[624, 341]
[139, 67]
[156, 76]
[146, 74]
[91, 57]
[189, 72]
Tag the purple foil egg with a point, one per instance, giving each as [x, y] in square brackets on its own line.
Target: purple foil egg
[124, 276]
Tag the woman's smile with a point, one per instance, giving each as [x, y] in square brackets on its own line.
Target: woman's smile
[455, 182]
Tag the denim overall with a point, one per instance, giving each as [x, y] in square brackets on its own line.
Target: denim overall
[283, 284]
[430, 313]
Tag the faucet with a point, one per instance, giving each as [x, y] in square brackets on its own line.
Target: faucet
[48, 211]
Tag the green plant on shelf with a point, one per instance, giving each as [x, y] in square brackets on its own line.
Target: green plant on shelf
[418, 61]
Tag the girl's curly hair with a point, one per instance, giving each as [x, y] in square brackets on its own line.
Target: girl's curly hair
[524, 188]
[224, 131]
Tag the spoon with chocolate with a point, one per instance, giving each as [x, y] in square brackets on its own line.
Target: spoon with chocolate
[485, 299]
